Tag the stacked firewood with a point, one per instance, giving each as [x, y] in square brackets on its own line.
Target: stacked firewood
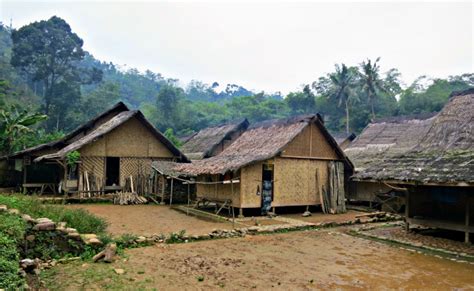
[128, 198]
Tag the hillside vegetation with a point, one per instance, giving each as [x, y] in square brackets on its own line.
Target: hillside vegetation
[47, 79]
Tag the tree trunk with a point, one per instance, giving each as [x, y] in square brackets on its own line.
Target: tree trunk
[347, 116]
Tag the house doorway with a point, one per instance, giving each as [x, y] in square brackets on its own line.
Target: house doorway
[112, 171]
[267, 188]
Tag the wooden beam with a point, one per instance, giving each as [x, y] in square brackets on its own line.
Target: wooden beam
[171, 192]
[442, 224]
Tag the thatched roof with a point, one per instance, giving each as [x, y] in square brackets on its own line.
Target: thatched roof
[386, 137]
[441, 152]
[260, 142]
[107, 127]
[76, 133]
[202, 144]
[168, 168]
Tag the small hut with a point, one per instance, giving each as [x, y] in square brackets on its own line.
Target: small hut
[109, 149]
[437, 173]
[380, 140]
[213, 140]
[276, 163]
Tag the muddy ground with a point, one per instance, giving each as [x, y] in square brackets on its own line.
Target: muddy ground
[150, 219]
[298, 260]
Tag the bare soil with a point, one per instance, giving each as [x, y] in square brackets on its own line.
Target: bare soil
[150, 219]
[324, 259]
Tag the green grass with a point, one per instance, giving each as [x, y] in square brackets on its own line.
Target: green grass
[79, 219]
[12, 230]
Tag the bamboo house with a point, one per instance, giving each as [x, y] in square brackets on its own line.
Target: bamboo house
[110, 148]
[437, 173]
[277, 163]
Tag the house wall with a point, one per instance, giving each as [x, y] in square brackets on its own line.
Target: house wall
[310, 143]
[136, 146]
[131, 139]
[218, 191]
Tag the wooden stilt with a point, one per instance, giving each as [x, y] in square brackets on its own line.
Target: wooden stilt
[187, 208]
[171, 193]
[241, 213]
[466, 234]
[407, 210]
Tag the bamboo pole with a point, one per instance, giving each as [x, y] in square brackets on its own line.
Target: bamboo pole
[171, 193]
[187, 208]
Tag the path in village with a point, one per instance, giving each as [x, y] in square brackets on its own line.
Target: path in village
[326, 258]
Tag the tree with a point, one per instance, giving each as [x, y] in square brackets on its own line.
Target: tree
[301, 102]
[370, 81]
[168, 103]
[49, 53]
[341, 90]
[13, 124]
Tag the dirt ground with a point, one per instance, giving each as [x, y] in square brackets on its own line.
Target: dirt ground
[150, 219]
[298, 260]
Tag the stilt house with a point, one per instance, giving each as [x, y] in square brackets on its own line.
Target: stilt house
[437, 174]
[111, 147]
[296, 161]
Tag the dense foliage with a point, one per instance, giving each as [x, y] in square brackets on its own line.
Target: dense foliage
[44, 69]
[12, 229]
[79, 219]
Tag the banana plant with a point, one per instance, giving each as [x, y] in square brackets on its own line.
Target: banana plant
[14, 123]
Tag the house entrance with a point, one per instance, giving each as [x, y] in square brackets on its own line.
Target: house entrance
[267, 188]
[112, 171]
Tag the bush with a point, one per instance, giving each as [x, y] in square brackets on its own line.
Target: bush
[79, 219]
[11, 233]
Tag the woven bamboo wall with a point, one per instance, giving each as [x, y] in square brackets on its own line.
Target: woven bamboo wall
[310, 143]
[296, 181]
[218, 191]
[251, 181]
[131, 139]
[95, 165]
[130, 166]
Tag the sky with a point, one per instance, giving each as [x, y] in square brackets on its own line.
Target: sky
[265, 46]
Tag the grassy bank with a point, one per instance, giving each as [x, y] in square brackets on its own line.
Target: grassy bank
[79, 219]
[12, 229]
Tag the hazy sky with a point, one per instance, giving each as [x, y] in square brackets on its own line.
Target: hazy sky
[265, 46]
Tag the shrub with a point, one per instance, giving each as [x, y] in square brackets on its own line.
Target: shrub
[79, 219]
[11, 234]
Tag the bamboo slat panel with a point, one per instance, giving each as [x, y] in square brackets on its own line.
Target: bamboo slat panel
[133, 166]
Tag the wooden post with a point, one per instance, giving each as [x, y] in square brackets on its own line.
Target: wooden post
[24, 176]
[232, 189]
[163, 189]
[466, 235]
[407, 210]
[187, 208]
[241, 212]
[171, 193]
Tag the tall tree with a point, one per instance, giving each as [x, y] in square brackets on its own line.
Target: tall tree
[49, 53]
[371, 82]
[301, 102]
[341, 90]
[168, 103]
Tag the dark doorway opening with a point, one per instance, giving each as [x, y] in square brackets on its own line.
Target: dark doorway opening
[112, 171]
[267, 188]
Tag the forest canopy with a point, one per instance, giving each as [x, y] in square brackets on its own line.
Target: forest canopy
[47, 77]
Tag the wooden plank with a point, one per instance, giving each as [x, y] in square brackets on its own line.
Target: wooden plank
[441, 224]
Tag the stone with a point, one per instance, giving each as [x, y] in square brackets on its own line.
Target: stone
[61, 225]
[74, 235]
[89, 236]
[3, 208]
[27, 218]
[94, 241]
[43, 219]
[30, 238]
[119, 271]
[13, 211]
[140, 239]
[45, 226]
[306, 214]
[70, 230]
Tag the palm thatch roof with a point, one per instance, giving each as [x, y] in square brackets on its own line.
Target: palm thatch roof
[441, 152]
[260, 142]
[107, 127]
[203, 143]
[75, 134]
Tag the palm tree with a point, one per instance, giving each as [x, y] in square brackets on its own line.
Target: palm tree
[13, 123]
[371, 83]
[342, 84]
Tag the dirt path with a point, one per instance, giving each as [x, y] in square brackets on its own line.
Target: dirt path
[149, 219]
[298, 260]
